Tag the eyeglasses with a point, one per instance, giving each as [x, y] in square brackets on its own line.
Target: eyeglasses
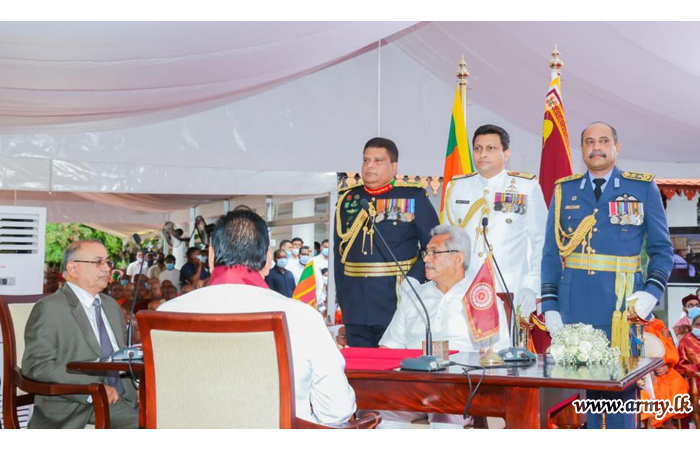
[99, 263]
[425, 253]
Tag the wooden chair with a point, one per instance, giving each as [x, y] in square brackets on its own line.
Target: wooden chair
[18, 390]
[221, 371]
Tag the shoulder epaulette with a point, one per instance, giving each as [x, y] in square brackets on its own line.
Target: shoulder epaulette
[527, 176]
[347, 188]
[409, 184]
[466, 175]
[575, 176]
[638, 176]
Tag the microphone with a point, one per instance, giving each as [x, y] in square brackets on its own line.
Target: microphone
[427, 362]
[131, 351]
[514, 353]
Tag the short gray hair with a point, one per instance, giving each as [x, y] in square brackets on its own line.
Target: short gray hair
[458, 240]
[70, 252]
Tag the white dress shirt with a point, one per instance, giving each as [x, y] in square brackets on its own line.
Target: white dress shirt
[319, 368]
[296, 268]
[133, 269]
[320, 263]
[173, 276]
[86, 301]
[517, 239]
[448, 320]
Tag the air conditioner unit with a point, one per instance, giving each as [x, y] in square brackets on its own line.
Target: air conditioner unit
[22, 242]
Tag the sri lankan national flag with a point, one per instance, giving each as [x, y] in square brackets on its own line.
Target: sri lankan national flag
[458, 160]
[556, 150]
[306, 288]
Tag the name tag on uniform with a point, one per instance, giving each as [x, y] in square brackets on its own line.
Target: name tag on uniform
[462, 202]
[572, 207]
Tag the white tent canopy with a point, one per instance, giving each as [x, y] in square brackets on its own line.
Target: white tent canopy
[182, 110]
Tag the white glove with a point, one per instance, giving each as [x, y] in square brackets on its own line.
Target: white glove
[405, 289]
[526, 299]
[645, 303]
[552, 319]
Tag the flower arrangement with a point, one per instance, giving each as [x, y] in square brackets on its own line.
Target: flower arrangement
[578, 344]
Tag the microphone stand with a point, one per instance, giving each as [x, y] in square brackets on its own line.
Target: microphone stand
[427, 362]
[514, 351]
[130, 351]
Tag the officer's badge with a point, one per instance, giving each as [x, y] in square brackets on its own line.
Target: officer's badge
[510, 202]
[395, 209]
[626, 210]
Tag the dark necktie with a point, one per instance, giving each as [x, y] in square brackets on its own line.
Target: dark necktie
[112, 378]
[598, 191]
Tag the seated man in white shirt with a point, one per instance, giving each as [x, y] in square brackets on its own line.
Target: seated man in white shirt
[239, 259]
[446, 261]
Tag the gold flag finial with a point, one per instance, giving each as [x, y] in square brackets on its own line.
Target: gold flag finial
[556, 63]
[463, 73]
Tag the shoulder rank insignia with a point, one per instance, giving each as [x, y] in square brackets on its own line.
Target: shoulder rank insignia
[408, 184]
[466, 175]
[527, 176]
[638, 176]
[575, 176]
[347, 188]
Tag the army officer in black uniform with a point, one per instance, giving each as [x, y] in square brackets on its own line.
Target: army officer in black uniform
[366, 278]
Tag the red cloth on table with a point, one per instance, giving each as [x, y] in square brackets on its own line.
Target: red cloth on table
[358, 358]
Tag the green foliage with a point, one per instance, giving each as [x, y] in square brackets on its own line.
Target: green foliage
[60, 235]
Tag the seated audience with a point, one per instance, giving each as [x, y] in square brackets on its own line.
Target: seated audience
[117, 293]
[667, 382]
[170, 274]
[689, 301]
[446, 262]
[280, 279]
[169, 292]
[159, 265]
[155, 289]
[194, 272]
[240, 259]
[689, 347]
[77, 323]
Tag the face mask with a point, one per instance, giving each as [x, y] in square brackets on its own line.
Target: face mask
[202, 259]
[295, 251]
[170, 266]
[315, 253]
[289, 254]
[324, 252]
[145, 285]
[139, 260]
[325, 279]
[150, 263]
[124, 282]
[696, 332]
[282, 263]
[304, 259]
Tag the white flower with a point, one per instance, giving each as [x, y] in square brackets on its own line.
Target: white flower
[582, 357]
[557, 352]
[585, 346]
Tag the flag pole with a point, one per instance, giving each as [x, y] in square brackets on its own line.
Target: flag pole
[463, 82]
[556, 63]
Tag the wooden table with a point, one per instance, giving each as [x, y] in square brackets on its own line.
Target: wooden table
[522, 396]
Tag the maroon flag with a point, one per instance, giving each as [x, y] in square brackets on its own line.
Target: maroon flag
[480, 303]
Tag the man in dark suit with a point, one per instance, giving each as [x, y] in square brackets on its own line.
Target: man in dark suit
[77, 323]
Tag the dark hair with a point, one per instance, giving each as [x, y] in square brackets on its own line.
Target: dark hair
[612, 128]
[493, 129]
[324, 271]
[324, 241]
[191, 250]
[284, 241]
[305, 247]
[386, 144]
[297, 239]
[688, 298]
[240, 238]
[170, 258]
[278, 251]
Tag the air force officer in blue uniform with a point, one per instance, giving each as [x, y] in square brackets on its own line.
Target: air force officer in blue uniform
[591, 264]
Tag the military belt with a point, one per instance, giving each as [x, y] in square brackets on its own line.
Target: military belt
[604, 263]
[377, 269]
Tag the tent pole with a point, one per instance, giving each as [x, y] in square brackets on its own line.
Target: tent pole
[193, 213]
[463, 77]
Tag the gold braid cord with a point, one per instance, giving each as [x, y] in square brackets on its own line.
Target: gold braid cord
[583, 231]
[349, 236]
[479, 204]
